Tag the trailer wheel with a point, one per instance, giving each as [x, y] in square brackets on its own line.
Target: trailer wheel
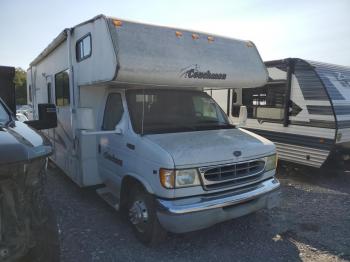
[143, 218]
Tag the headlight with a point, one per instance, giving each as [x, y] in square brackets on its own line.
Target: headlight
[271, 162]
[187, 177]
[179, 178]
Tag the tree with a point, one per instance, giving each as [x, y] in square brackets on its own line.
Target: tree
[20, 81]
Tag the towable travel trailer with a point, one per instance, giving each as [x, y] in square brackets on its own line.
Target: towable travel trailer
[304, 109]
[133, 116]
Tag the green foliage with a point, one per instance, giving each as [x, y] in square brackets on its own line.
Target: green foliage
[20, 81]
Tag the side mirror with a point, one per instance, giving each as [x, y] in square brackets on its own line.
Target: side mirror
[47, 117]
[243, 115]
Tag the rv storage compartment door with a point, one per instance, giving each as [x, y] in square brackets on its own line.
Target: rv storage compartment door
[154, 55]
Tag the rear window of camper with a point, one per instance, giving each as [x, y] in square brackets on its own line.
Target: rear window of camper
[83, 48]
[62, 88]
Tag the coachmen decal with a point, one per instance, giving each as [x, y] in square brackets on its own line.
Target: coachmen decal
[195, 72]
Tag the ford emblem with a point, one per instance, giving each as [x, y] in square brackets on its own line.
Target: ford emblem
[237, 153]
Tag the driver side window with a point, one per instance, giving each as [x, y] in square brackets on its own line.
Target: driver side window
[113, 112]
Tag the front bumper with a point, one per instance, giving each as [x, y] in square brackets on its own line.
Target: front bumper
[194, 213]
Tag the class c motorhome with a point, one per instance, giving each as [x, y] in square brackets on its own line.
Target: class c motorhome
[132, 116]
[304, 109]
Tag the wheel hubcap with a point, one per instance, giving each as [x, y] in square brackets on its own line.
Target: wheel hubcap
[138, 215]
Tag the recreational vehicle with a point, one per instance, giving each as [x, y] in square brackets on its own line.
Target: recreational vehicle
[133, 117]
[304, 109]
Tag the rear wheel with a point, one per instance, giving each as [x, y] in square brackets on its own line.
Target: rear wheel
[143, 218]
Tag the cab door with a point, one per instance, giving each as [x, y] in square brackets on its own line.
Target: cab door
[112, 142]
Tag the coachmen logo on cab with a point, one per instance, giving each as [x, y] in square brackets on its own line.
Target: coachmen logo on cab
[194, 72]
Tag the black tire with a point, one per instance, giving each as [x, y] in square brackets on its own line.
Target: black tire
[147, 227]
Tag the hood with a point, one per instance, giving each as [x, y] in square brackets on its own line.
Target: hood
[210, 147]
[18, 142]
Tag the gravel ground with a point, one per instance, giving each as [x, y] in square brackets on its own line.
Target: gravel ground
[312, 224]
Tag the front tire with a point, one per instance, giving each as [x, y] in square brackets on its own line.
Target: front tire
[143, 217]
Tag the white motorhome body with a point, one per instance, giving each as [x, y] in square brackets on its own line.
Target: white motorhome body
[304, 109]
[106, 69]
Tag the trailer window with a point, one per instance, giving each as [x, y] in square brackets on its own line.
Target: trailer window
[62, 88]
[83, 48]
[113, 112]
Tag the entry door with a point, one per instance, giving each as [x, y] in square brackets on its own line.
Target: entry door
[111, 145]
[63, 133]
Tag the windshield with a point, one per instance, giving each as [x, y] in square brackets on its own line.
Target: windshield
[4, 116]
[166, 111]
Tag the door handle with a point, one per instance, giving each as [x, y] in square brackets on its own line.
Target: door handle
[99, 148]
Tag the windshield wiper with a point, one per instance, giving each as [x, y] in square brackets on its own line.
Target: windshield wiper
[169, 129]
[216, 126]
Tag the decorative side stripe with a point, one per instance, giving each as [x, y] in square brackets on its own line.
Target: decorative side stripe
[293, 139]
[302, 155]
[327, 110]
[320, 110]
[343, 124]
[342, 110]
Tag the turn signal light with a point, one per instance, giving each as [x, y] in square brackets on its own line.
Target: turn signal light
[167, 178]
[195, 36]
[210, 39]
[178, 34]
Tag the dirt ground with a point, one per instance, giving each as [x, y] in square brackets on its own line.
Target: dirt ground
[312, 224]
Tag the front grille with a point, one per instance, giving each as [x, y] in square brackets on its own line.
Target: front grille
[232, 175]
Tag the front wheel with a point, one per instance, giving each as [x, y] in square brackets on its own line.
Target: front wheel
[143, 218]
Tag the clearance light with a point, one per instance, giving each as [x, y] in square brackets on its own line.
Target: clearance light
[195, 36]
[250, 44]
[117, 23]
[178, 34]
[210, 39]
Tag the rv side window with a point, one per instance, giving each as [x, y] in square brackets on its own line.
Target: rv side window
[62, 88]
[30, 93]
[113, 112]
[265, 102]
[49, 93]
[83, 48]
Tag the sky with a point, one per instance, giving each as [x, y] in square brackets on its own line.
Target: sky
[315, 29]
